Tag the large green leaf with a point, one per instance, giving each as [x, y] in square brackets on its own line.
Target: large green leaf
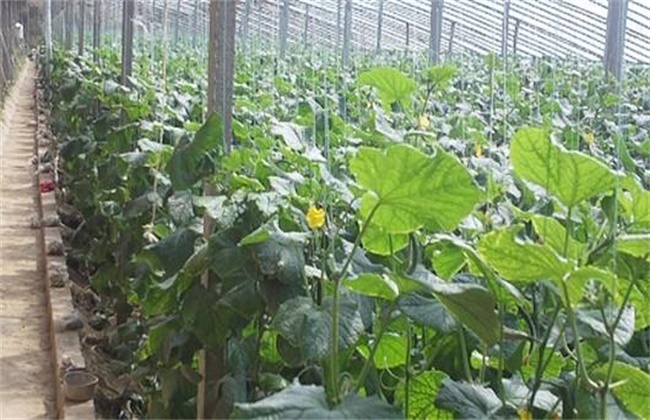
[188, 162]
[507, 293]
[568, 175]
[427, 311]
[392, 85]
[632, 392]
[172, 251]
[522, 262]
[591, 324]
[637, 245]
[441, 76]
[519, 395]
[467, 401]
[379, 242]
[304, 326]
[474, 307]
[310, 402]
[373, 285]
[309, 327]
[411, 189]
[391, 351]
[578, 280]
[553, 234]
[422, 389]
[446, 258]
[636, 203]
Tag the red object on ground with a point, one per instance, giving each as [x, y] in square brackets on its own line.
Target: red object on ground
[46, 185]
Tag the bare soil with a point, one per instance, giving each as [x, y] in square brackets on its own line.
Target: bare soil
[26, 381]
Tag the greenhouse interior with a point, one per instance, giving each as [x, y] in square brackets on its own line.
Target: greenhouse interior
[360, 209]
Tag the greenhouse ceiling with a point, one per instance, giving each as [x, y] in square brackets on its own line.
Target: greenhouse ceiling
[540, 27]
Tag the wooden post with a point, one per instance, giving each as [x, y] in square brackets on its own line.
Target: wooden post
[435, 31]
[82, 26]
[128, 10]
[452, 33]
[380, 22]
[615, 39]
[221, 65]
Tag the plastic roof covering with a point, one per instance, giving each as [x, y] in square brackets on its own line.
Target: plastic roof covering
[557, 28]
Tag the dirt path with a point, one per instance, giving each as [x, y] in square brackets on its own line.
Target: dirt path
[26, 381]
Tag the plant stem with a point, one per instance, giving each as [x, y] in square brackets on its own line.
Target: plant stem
[582, 370]
[463, 351]
[385, 317]
[335, 396]
[612, 352]
[567, 231]
[407, 379]
[481, 374]
[540, 358]
[502, 318]
[334, 361]
[357, 242]
[430, 88]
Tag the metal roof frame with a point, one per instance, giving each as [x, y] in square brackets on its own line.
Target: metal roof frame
[556, 28]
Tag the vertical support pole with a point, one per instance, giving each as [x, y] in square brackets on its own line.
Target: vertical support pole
[48, 33]
[435, 31]
[97, 27]
[82, 26]
[114, 26]
[347, 33]
[615, 39]
[515, 37]
[247, 25]
[177, 21]
[69, 17]
[505, 29]
[195, 22]
[128, 9]
[339, 3]
[3, 58]
[284, 27]
[152, 27]
[380, 22]
[306, 29]
[452, 33]
[61, 14]
[221, 66]
[408, 35]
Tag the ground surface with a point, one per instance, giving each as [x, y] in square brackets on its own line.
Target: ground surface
[26, 382]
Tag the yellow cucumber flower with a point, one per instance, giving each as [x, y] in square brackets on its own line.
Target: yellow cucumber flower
[589, 138]
[525, 414]
[315, 217]
[478, 150]
[423, 122]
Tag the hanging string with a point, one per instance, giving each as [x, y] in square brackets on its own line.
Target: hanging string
[161, 133]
